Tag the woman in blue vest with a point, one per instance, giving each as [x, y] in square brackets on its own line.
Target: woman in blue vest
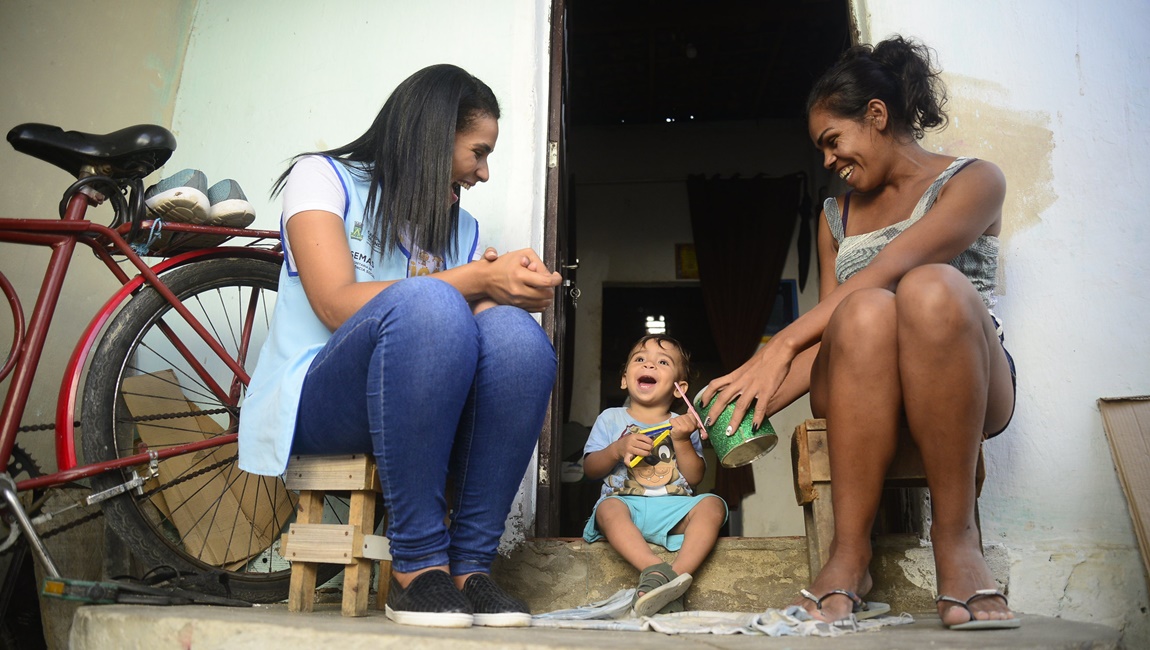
[393, 335]
[903, 334]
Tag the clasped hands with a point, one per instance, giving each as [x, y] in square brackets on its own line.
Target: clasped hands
[520, 278]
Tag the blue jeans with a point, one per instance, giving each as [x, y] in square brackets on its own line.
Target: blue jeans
[433, 391]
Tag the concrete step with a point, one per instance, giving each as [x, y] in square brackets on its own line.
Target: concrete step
[742, 574]
[128, 627]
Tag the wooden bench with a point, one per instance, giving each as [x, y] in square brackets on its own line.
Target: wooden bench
[309, 542]
[812, 471]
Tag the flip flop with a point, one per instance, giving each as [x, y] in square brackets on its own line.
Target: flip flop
[860, 608]
[660, 585]
[976, 624]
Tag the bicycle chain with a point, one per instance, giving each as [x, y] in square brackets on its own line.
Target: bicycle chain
[163, 486]
[145, 418]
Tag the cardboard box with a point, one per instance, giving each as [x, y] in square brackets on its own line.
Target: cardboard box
[257, 507]
[1127, 424]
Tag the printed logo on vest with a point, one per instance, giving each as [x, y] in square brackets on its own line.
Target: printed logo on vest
[363, 262]
[357, 231]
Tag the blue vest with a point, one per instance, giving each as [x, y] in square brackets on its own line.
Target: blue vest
[296, 334]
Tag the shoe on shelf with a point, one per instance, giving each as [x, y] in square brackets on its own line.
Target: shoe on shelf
[229, 206]
[431, 600]
[181, 197]
[494, 607]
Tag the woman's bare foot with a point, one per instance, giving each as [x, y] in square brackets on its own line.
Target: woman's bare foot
[961, 571]
[846, 571]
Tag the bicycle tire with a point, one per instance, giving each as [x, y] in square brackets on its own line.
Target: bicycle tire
[222, 521]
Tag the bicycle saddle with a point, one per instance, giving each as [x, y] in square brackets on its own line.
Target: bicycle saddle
[130, 153]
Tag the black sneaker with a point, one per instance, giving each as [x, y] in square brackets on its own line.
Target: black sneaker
[493, 607]
[431, 600]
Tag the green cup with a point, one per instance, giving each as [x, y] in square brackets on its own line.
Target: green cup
[744, 445]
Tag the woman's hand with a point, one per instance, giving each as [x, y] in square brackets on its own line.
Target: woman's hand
[520, 279]
[758, 380]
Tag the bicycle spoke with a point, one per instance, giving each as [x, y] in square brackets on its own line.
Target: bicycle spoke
[164, 386]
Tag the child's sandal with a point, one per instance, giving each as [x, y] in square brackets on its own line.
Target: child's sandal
[675, 606]
[659, 585]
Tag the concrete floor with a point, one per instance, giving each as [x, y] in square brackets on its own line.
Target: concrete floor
[742, 575]
[127, 627]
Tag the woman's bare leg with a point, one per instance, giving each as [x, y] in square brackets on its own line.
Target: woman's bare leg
[956, 386]
[854, 385]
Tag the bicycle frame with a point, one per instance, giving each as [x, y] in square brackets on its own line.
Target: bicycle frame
[61, 236]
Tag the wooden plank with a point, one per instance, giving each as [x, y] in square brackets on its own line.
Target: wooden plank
[820, 519]
[301, 590]
[383, 586]
[1127, 424]
[356, 587]
[820, 456]
[326, 543]
[332, 473]
[801, 465]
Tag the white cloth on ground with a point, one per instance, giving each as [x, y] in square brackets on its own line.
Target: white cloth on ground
[614, 613]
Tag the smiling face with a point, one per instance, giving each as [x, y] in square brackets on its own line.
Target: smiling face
[851, 148]
[652, 371]
[469, 157]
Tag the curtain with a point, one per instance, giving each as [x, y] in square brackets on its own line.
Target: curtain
[742, 229]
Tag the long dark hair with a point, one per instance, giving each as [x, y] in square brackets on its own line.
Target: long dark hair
[899, 71]
[406, 155]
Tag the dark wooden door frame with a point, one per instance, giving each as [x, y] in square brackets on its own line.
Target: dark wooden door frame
[554, 256]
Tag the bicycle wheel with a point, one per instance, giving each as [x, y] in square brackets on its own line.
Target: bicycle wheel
[154, 383]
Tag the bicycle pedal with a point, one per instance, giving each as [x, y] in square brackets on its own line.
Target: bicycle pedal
[85, 591]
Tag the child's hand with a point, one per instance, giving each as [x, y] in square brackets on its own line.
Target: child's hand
[632, 445]
[682, 427]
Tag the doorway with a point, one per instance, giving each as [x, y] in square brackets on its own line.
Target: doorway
[653, 92]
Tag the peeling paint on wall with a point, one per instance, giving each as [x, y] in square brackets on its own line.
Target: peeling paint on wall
[1093, 585]
[1021, 143]
[918, 566]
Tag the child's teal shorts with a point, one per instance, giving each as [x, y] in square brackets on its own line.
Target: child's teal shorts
[654, 517]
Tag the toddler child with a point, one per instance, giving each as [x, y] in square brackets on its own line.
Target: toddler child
[642, 451]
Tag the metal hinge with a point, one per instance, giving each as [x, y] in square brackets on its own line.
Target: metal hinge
[552, 154]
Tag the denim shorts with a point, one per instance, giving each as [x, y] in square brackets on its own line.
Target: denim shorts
[1013, 373]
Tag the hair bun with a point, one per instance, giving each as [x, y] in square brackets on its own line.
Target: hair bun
[898, 71]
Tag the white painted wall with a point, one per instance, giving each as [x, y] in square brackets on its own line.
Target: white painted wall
[266, 80]
[94, 67]
[1057, 92]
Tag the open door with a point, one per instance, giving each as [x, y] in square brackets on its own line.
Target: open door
[558, 254]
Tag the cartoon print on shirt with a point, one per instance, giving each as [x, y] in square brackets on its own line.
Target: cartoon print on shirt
[655, 475]
[423, 263]
[419, 261]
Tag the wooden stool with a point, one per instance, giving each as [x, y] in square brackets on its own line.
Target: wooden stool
[812, 469]
[310, 542]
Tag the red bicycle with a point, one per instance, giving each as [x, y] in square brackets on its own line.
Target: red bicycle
[164, 366]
